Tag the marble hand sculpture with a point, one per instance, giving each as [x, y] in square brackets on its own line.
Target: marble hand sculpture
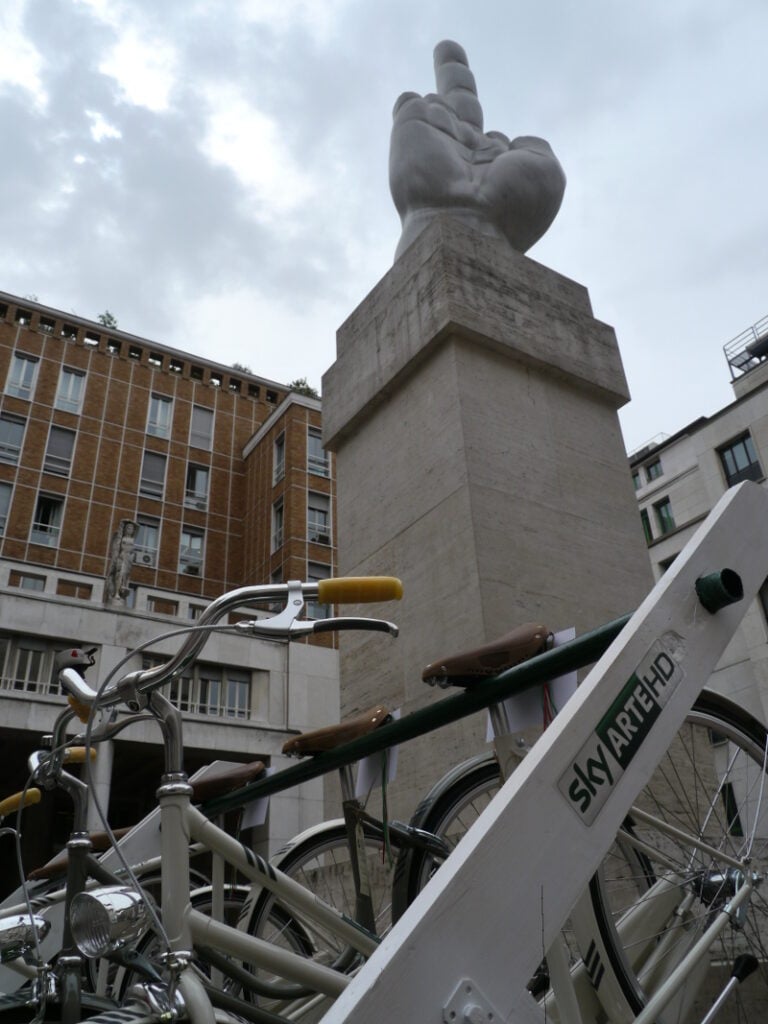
[441, 161]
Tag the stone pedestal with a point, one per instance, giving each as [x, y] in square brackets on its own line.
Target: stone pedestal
[473, 411]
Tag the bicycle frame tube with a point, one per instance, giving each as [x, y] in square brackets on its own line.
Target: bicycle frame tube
[573, 655]
[669, 989]
[186, 927]
[291, 892]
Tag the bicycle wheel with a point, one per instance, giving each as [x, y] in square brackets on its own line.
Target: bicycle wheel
[447, 811]
[656, 893]
[322, 864]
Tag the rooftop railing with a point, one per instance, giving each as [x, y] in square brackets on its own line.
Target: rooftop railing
[748, 349]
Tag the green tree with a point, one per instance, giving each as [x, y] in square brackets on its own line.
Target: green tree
[106, 319]
[242, 368]
[301, 387]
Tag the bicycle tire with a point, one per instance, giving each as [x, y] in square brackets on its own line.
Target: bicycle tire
[455, 802]
[447, 811]
[712, 783]
[321, 863]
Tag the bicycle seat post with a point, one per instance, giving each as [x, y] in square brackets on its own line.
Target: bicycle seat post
[499, 719]
[347, 779]
[364, 913]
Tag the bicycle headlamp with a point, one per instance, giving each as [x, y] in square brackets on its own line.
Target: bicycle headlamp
[106, 919]
[19, 933]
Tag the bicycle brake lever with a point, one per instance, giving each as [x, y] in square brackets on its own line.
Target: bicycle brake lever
[354, 622]
[266, 628]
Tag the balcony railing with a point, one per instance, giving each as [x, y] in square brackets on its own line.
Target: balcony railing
[44, 533]
[748, 349]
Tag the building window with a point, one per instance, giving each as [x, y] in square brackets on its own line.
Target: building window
[21, 375]
[147, 541]
[278, 459]
[653, 470]
[162, 605]
[318, 518]
[664, 517]
[636, 482]
[763, 598]
[27, 665]
[11, 436]
[72, 588]
[201, 428]
[5, 502]
[740, 461]
[645, 519]
[46, 526]
[155, 359]
[152, 475]
[191, 552]
[194, 611]
[58, 453]
[216, 690]
[69, 395]
[317, 571]
[278, 516]
[317, 459]
[159, 418]
[196, 489]
[222, 691]
[26, 580]
[665, 563]
[113, 347]
[731, 808]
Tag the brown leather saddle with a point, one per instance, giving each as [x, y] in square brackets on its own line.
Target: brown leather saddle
[318, 741]
[472, 666]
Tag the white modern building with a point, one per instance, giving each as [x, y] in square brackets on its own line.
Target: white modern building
[679, 479]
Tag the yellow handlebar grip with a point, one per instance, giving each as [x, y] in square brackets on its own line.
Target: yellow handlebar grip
[82, 711]
[76, 755]
[359, 589]
[13, 803]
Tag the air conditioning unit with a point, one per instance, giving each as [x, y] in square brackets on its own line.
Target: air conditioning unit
[323, 538]
[192, 570]
[145, 558]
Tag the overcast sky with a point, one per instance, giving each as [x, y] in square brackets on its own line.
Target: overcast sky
[214, 172]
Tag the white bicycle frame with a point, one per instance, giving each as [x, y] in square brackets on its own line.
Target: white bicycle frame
[476, 938]
[182, 824]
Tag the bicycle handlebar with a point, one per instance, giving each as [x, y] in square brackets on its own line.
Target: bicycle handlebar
[359, 589]
[13, 803]
[281, 626]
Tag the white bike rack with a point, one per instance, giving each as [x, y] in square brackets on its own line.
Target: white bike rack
[466, 948]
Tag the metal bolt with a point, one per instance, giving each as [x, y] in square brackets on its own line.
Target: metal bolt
[474, 1014]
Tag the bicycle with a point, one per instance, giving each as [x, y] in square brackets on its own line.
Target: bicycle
[583, 791]
[715, 730]
[181, 927]
[35, 937]
[456, 801]
[541, 667]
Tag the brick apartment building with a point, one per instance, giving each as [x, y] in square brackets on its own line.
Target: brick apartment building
[224, 476]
